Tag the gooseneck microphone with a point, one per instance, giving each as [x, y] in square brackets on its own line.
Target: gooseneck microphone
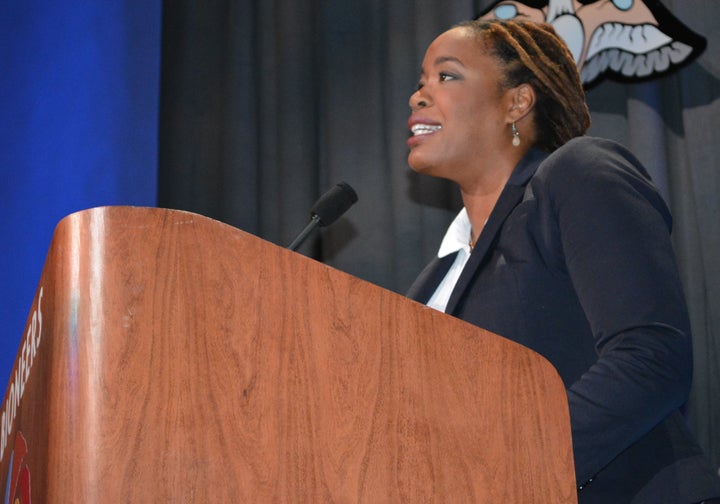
[327, 210]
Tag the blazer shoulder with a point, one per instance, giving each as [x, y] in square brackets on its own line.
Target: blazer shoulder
[587, 154]
[589, 161]
[599, 172]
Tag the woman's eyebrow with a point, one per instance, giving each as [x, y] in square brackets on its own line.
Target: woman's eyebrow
[444, 59]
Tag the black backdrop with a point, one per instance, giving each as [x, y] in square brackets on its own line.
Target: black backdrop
[264, 105]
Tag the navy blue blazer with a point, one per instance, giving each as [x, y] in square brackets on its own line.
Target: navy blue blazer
[576, 263]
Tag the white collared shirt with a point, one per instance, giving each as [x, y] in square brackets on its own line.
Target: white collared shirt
[457, 239]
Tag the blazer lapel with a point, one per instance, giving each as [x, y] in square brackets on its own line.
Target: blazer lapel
[510, 197]
[427, 281]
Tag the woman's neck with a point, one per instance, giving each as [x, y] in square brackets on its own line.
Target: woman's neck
[481, 194]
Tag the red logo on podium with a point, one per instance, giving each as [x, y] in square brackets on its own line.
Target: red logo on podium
[17, 487]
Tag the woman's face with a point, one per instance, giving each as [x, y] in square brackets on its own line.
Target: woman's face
[459, 114]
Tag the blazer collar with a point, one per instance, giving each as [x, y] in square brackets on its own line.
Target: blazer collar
[427, 281]
[509, 198]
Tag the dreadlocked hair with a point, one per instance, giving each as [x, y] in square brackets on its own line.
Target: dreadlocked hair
[533, 53]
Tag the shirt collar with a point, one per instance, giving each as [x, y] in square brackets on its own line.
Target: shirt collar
[457, 236]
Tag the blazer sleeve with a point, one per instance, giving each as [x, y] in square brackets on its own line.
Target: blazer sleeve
[614, 234]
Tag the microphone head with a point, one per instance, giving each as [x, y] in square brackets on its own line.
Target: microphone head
[333, 204]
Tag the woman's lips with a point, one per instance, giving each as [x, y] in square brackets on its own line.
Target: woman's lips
[421, 129]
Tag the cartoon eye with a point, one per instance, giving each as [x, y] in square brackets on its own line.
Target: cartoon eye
[508, 11]
[623, 4]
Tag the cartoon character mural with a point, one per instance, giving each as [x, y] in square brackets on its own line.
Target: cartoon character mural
[622, 39]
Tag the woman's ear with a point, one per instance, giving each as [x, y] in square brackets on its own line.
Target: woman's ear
[522, 101]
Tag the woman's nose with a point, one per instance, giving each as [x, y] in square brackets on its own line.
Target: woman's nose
[418, 100]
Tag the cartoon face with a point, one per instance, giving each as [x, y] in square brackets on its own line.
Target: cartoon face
[625, 39]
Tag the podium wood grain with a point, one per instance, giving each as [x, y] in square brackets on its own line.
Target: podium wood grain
[183, 360]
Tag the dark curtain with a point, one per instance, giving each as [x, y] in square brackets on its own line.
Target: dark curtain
[265, 105]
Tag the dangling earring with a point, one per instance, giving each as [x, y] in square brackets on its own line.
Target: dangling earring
[516, 135]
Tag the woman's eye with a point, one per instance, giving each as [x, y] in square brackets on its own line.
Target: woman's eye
[446, 77]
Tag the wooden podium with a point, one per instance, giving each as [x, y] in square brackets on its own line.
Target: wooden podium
[172, 358]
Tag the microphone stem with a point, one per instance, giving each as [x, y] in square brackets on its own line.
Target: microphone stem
[314, 222]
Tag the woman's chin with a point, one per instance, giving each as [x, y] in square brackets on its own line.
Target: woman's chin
[423, 167]
[419, 169]
[419, 164]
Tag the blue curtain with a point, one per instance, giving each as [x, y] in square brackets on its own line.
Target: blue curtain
[79, 88]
